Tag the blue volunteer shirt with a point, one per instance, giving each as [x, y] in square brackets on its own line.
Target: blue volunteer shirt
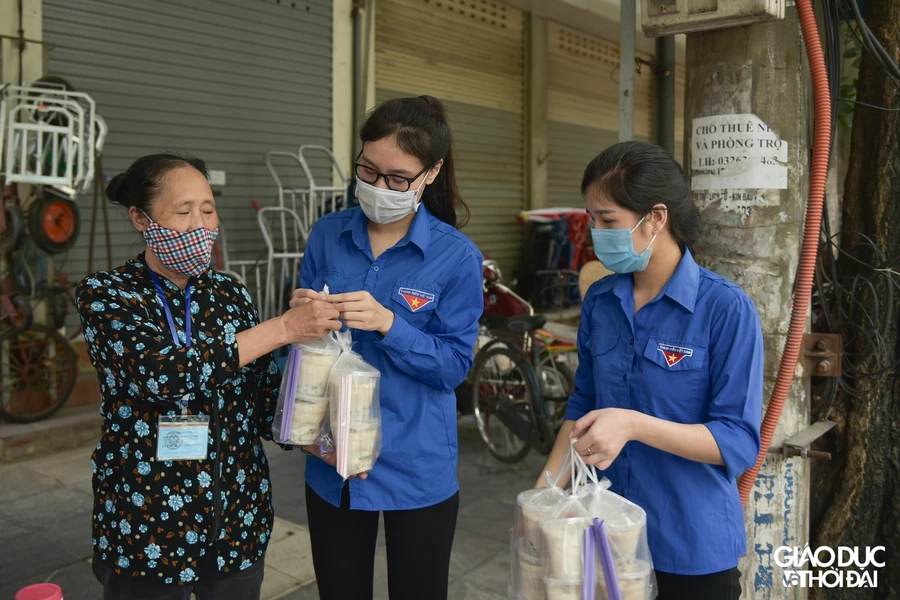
[431, 280]
[692, 355]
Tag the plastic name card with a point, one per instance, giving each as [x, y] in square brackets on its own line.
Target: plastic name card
[185, 437]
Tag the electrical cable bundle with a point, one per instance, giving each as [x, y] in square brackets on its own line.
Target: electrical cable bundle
[846, 302]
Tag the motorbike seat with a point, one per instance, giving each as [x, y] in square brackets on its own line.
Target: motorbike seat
[515, 324]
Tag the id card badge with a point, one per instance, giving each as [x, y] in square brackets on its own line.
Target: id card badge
[184, 437]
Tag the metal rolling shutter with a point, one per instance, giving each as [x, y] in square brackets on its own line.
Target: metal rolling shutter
[225, 80]
[583, 107]
[470, 55]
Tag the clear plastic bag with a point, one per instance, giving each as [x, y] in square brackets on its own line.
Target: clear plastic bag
[353, 429]
[564, 521]
[302, 401]
[316, 360]
[298, 417]
[533, 508]
[617, 537]
[626, 527]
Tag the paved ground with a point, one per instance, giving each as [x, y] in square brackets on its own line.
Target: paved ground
[45, 513]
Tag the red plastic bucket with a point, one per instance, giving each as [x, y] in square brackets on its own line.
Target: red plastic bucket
[40, 591]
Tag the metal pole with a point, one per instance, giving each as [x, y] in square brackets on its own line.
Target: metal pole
[627, 26]
[665, 79]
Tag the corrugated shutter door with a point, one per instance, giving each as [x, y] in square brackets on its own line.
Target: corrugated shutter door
[583, 107]
[680, 76]
[470, 55]
[225, 80]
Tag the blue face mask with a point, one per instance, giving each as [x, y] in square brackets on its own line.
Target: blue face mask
[615, 249]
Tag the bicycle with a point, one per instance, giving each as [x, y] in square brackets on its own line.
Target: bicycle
[38, 365]
[520, 386]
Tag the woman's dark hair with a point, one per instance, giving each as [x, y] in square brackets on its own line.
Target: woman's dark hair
[638, 176]
[139, 185]
[420, 125]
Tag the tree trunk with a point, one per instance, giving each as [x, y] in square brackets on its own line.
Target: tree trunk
[864, 481]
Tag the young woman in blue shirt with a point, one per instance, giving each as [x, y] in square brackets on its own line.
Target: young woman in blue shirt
[408, 285]
[668, 391]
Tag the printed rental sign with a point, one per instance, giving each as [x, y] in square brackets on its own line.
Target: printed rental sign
[735, 159]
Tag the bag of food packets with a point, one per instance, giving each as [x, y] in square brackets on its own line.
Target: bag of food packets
[353, 429]
[303, 400]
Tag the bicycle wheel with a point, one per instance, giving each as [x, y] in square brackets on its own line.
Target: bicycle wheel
[37, 373]
[557, 383]
[503, 394]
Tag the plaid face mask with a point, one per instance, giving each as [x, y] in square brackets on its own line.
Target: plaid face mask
[185, 252]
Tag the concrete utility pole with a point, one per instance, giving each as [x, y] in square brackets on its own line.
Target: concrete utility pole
[627, 24]
[753, 210]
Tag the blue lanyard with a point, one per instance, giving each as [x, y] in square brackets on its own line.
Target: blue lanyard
[187, 316]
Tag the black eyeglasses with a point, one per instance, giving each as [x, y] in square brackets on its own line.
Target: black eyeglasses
[397, 183]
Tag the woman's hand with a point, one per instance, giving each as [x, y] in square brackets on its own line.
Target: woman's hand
[360, 310]
[601, 434]
[310, 321]
[302, 296]
[329, 458]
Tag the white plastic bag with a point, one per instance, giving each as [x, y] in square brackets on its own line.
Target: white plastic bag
[353, 429]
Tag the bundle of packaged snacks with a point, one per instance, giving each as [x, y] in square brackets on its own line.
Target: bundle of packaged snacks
[535, 508]
[563, 520]
[532, 507]
[302, 400]
[355, 411]
[298, 418]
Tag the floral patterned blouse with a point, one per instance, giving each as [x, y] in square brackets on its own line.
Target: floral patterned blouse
[159, 519]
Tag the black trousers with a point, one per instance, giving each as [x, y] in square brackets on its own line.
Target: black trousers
[243, 585]
[725, 585]
[418, 549]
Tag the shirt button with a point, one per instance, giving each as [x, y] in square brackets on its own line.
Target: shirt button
[376, 268]
[624, 377]
[631, 342]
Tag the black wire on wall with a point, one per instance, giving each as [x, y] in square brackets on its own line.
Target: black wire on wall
[849, 303]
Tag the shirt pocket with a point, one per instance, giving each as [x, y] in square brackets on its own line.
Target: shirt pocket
[415, 302]
[601, 345]
[675, 381]
[335, 280]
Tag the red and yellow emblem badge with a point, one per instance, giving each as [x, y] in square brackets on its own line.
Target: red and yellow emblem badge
[674, 354]
[416, 299]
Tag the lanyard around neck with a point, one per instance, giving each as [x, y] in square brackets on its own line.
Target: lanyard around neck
[187, 317]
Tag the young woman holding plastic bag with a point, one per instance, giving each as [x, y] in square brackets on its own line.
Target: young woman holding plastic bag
[668, 391]
[408, 286]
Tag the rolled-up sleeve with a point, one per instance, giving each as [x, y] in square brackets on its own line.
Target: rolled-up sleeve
[736, 373]
[583, 398]
[443, 356]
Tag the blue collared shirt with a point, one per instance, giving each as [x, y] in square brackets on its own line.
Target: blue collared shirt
[692, 355]
[431, 280]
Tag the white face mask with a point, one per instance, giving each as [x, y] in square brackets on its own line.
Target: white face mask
[386, 206]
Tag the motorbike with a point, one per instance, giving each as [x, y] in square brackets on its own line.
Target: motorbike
[500, 302]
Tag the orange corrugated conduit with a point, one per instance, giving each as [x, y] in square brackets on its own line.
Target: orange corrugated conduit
[810, 245]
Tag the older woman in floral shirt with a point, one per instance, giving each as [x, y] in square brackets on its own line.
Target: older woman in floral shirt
[182, 494]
